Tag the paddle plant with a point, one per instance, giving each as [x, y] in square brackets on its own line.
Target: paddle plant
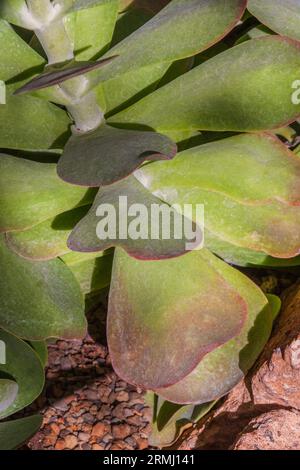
[181, 102]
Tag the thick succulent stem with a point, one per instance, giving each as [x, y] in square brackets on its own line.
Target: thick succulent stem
[49, 27]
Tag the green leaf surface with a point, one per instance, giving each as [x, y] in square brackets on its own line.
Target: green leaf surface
[171, 420]
[182, 29]
[48, 239]
[247, 88]
[39, 299]
[117, 219]
[17, 59]
[245, 257]
[25, 367]
[15, 433]
[75, 5]
[93, 274]
[92, 29]
[282, 16]
[260, 169]
[40, 347]
[250, 206]
[123, 91]
[107, 155]
[179, 306]
[11, 10]
[223, 368]
[8, 392]
[27, 189]
[31, 123]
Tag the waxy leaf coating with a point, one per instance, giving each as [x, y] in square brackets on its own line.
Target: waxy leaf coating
[183, 304]
[282, 16]
[106, 155]
[223, 368]
[182, 29]
[48, 239]
[255, 205]
[39, 299]
[246, 88]
[116, 221]
[31, 193]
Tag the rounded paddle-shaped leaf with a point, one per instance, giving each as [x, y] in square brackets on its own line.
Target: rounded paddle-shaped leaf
[126, 214]
[159, 309]
[224, 367]
[25, 367]
[107, 155]
[39, 299]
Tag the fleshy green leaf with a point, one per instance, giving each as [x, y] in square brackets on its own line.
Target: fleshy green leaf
[48, 239]
[107, 155]
[249, 206]
[92, 29]
[24, 366]
[223, 368]
[41, 350]
[8, 392]
[15, 433]
[11, 10]
[282, 16]
[116, 224]
[17, 59]
[255, 92]
[157, 310]
[39, 299]
[27, 190]
[244, 257]
[75, 5]
[30, 123]
[93, 274]
[182, 29]
[171, 420]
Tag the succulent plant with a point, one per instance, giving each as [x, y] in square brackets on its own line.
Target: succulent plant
[180, 102]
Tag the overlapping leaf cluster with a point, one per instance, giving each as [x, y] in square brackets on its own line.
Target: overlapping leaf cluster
[93, 90]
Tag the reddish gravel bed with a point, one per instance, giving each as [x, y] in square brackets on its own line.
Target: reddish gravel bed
[85, 405]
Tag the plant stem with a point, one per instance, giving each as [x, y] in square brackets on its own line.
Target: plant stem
[51, 32]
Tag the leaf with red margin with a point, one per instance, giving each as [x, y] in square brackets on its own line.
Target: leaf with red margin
[107, 155]
[182, 29]
[164, 317]
[223, 368]
[282, 16]
[260, 170]
[116, 201]
[246, 88]
[261, 215]
[48, 239]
